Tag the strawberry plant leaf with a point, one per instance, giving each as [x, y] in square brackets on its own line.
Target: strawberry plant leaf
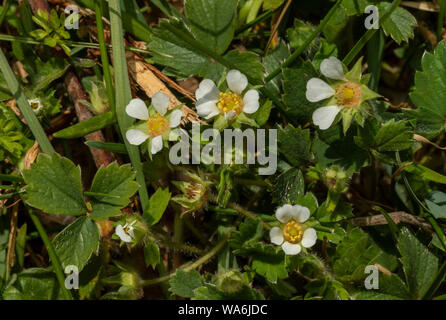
[53, 184]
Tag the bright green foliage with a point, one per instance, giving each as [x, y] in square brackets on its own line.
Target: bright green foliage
[184, 283]
[399, 25]
[76, 243]
[157, 205]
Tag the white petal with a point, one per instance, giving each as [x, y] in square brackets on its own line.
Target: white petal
[291, 249]
[237, 81]
[157, 144]
[122, 235]
[161, 102]
[207, 90]
[276, 235]
[207, 109]
[285, 213]
[136, 137]
[137, 109]
[38, 103]
[318, 90]
[175, 118]
[251, 101]
[332, 68]
[324, 117]
[309, 238]
[303, 213]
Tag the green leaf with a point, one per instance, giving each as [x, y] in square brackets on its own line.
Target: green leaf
[54, 186]
[85, 127]
[391, 287]
[400, 24]
[356, 251]
[261, 116]
[437, 204]
[355, 7]
[295, 145]
[44, 73]
[250, 231]
[157, 205]
[425, 173]
[76, 243]
[117, 182]
[288, 187]
[181, 58]
[212, 22]
[151, 254]
[294, 88]
[420, 266]
[272, 4]
[33, 284]
[393, 136]
[184, 283]
[429, 93]
[247, 63]
[274, 59]
[269, 261]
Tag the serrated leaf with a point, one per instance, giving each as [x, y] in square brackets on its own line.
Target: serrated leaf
[116, 181]
[288, 187]
[356, 251]
[419, 264]
[250, 231]
[294, 88]
[212, 22]
[151, 254]
[399, 25]
[247, 63]
[269, 262]
[54, 186]
[211, 292]
[429, 93]
[393, 136]
[184, 283]
[76, 243]
[295, 145]
[33, 284]
[157, 205]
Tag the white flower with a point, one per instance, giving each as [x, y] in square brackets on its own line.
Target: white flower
[157, 123]
[347, 94]
[293, 235]
[125, 233]
[211, 102]
[36, 105]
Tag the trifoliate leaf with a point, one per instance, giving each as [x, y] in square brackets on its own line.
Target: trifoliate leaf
[399, 25]
[419, 264]
[184, 283]
[116, 182]
[212, 21]
[76, 243]
[157, 205]
[54, 186]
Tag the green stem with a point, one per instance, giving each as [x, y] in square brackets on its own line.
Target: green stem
[5, 11]
[124, 95]
[264, 16]
[441, 19]
[104, 54]
[193, 265]
[52, 254]
[24, 106]
[74, 44]
[309, 40]
[368, 35]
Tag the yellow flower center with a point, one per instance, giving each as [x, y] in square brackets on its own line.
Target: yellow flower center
[348, 94]
[157, 125]
[230, 101]
[292, 232]
[35, 105]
